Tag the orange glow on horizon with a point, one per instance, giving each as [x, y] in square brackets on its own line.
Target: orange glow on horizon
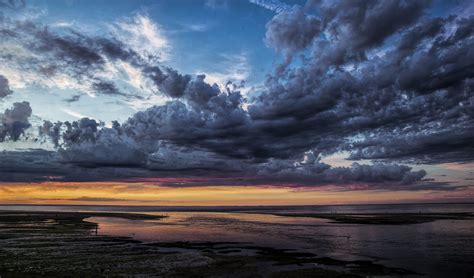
[113, 193]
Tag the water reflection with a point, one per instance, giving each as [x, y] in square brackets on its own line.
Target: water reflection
[438, 248]
[196, 226]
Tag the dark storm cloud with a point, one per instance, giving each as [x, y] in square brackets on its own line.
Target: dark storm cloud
[292, 30]
[203, 117]
[430, 117]
[106, 88]
[71, 52]
[4, 87]
[15, 121]
[449, 144]
[311, 170]
[85, 145]
[186, 168]
[362, 24]
[381, 80]
[41, 166]
[30, 166]
[74, 98]
[414, 100]
[171, 84]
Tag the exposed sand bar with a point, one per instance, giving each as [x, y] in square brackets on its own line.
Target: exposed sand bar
[383, 218]
[14, 216]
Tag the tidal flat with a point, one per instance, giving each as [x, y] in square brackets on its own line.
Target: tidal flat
[66, 244]
[383, 218]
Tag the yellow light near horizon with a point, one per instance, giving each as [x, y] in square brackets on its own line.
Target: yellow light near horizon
[113, 193]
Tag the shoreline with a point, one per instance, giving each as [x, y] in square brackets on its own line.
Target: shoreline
[382, 218]
[45, 244]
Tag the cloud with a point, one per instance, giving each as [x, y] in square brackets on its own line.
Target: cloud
[217, 4]
[4, 87]
[106, 88]
[312, 171]
[380, 80]
[272, 5]
[73, 98]
[144, 36]
[85, 146]
[174, 166]
[405, 105]
[292, 30]
[14, 121]
[73, 113]
[40, 165]
[360, 25]
[93, 199]
[71, 59]
[12, 4]
[197, 27]
[235, 68]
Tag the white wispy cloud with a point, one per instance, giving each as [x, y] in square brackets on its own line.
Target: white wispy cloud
[143, 34]
[272, 5]
[74, 114]
[217, 4]
[62, 24]
[198, 27]
[235, 67]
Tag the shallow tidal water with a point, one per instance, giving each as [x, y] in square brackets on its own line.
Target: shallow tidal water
[443, 248]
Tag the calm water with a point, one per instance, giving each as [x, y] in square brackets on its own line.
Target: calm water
[442, 248]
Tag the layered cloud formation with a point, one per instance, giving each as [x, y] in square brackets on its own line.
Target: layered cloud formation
[381, 80]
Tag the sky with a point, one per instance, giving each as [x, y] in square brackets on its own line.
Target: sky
[219, 102]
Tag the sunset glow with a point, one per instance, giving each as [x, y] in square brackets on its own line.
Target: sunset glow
[154, 195]
[242, 103]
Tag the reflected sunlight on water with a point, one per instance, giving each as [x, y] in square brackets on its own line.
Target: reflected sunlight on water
[437, 249]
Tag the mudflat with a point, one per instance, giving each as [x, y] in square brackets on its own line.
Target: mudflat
[65, 244]
[383, 218]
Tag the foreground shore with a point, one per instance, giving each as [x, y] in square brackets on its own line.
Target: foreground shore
[58, 244]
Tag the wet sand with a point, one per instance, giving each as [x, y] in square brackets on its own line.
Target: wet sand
[58, 244]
